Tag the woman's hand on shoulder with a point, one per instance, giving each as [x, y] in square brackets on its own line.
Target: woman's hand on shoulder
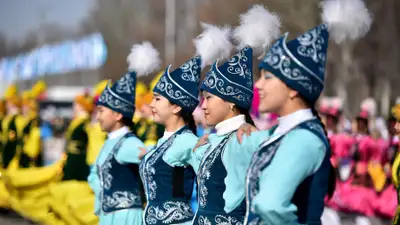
[245, 129]
[143, 152]
[202, 141]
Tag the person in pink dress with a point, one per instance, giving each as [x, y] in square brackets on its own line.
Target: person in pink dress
[387, 202]
[359, 188]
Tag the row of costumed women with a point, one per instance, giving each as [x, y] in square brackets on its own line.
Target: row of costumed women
[243, 175]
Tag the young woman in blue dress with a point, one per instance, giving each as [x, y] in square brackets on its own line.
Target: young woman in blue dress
[115, 176]
[290, 173]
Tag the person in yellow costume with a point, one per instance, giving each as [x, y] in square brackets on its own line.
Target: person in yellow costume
[28, 147]
[30, 140]
[396, 163]
[2, 115]
[76, 169]
[38, 187]
[11, 127]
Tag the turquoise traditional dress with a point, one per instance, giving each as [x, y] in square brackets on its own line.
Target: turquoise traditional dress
[168, 179]
[297, 195]
[221, 167]
[289, 175]
[167, 175]
[115, 180]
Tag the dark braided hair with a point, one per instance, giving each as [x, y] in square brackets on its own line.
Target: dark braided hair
[130, 124]
[246, 114]
[332, 170]
[189, 120]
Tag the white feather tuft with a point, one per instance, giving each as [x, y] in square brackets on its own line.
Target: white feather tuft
[213, 44]
[258, 29]
[397, 100]
[346, 19]
[325, 102]
[369, 105]
[337, 103]
[143, 59]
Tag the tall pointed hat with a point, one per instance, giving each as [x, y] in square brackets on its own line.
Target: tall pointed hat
[181, 86]
[233, 80]
[300, 63]
[120, 97]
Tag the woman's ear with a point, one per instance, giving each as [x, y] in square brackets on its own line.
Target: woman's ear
[176, 109]
[119, 117]
[293, 94]
[232, 107]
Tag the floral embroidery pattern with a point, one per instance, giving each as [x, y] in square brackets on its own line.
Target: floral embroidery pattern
[107, 177]
[121, 200]
[219, 220]
[226, 88]
[238, 66]
[312, 45]
[113, 101]
[260, 160]
[170, 212]
[126, 84]
[115, 199]
[204, 170]
[278, 59]
[190, 71]
[164, 85]
[203, 221]
[147, 170]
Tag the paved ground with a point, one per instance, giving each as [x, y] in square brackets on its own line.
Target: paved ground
[12, 219]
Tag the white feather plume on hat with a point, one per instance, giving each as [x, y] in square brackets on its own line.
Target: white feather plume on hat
[369, 105]
[143, 59]
[346, 19]
[213, 43]
[337, 103]
[258, 29]
[324, 102]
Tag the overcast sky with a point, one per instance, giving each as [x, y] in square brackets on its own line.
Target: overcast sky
[18, 17]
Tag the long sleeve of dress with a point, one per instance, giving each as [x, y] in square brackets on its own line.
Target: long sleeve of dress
[236, 160]
[94, 183]
[129, 151]
[180, 152]
[93, 180]
[300, 154]
[197, 155]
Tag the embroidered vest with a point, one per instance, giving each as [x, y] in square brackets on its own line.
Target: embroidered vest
[211, 186]
[168, 189]
[309, 195]
[120, 184]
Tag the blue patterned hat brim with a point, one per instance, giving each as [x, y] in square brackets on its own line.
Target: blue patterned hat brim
[111, 100]
[175, 93]
[281, 63]
[236, 94]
